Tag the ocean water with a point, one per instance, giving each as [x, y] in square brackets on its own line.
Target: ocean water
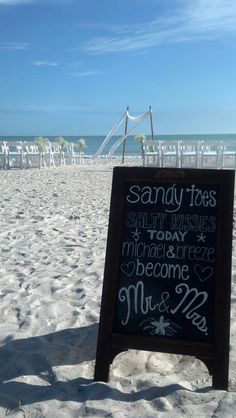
[132, 147]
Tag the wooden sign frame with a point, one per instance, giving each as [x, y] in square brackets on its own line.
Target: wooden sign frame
[214, 353]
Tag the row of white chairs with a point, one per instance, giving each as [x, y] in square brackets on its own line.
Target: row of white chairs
[190, 154]
[157, 153]
[23, 154]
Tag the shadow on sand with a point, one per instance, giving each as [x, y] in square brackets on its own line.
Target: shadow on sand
[36, 356]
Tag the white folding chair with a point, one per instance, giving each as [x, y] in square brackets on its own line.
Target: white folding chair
[14, 154]
[78, 155]
[170, 154]
[190, 154]
[151, 153]
[211, 154]
[228, 154]
[48, 155]
[69, 153]
[58, 154]
[40, 151]
[32, 155]
[3, 154]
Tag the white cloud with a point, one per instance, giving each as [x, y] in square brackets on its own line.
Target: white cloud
[43, 108]
[18, 2]
[14, 2]
[45, 64]
[199, 19]
[218, 16]
[14, 46]
[84, 73]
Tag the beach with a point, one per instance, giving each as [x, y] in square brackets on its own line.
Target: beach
[53, 229]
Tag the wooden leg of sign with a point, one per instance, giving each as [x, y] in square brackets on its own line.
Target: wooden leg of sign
[218, 371]
[220, 378]
[103, 361]
[220, 381]
[102, 366]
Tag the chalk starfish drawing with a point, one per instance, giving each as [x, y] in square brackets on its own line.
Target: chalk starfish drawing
[160, 327]
[135, 235]
[201, 237]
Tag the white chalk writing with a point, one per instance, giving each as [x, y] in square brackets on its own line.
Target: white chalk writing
[136, 302]
[191, 301]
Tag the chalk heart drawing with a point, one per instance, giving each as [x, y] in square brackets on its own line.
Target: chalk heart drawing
[203, 273]
[128, 268]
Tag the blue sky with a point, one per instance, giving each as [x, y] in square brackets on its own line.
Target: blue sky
[71, 67]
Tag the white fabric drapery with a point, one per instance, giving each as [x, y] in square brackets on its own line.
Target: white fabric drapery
[108, 137]
[136, 119]
[139, 118]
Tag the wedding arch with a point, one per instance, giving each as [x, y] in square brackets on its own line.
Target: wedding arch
[125, 118]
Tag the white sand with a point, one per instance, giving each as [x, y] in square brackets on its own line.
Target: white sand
[53, 228]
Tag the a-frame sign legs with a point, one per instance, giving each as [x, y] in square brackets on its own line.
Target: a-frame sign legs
[218, 370]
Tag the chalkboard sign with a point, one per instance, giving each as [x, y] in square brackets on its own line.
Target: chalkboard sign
[168, 266]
